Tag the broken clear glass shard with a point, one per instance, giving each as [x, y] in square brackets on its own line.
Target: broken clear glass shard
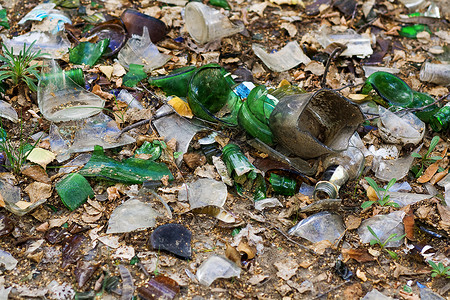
[287, 58]
[217, 267]
[319, 227]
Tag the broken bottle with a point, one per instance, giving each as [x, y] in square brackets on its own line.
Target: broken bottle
[339, 169]
[246, 177]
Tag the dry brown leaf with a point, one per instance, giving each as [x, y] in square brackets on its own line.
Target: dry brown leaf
[86, 218]
[353, 291]
[438, 176]
[2, 201]
[321, 246]
[371, 194]
[37, 173]
[41, 157]
[408, 223]
[352, 222]
[232, 254]
[165, 180]
[43, 227]
[113, 193]
[444, 212]
[222, 140]
[38, 191]
[194, 160]
[361, 255]
[172, 144]
[107, 70]
[408, 296]
[429, 172]
[181, 107]
[98, 91]
[96, 204]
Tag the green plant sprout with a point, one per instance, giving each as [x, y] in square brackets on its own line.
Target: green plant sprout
[16, 156]
[392, 238]
[439, 270]
[18, 67]
[426, 160]
[383, 197]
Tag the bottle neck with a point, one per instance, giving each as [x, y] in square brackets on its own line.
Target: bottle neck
[334, 177]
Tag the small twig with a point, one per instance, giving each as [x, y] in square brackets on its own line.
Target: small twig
[336, 52]
[143, 122]
[410, 109]
[426, 106]
[292, 241]
[330, 290]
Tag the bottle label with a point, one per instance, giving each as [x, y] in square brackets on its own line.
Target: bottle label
[244, 89]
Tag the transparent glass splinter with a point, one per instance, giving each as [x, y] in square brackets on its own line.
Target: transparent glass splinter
[287, 58]
[140, 50]
[61, 99]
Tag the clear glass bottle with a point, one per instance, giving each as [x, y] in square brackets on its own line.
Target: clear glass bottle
[340, 168]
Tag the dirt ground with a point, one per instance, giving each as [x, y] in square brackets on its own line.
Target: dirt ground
[56, 249]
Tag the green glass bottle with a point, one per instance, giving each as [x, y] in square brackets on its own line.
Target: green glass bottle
[254, 114]
[283, 185]
[176, 83]
[211, 97]
[390, 87]
[421, 100]
[58, 78]
[441, 120]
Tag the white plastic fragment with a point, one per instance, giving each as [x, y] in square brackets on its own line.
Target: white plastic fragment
[396, 129]
[206, 24]
[216, 267]
[287, 58]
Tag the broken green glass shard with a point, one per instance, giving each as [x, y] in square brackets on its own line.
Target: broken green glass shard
[247, 177]
[4, 18]
[154, 149]
[220, 3]
[412, 30]
[67, 3]
[130, 171]
[283, 185]
[134, 75]
[176, 83]
[74, 190]
[88, 53]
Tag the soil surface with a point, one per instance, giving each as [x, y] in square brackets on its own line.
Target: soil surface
[63, 254]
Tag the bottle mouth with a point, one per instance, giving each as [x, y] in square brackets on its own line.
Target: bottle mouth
[325, 190]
